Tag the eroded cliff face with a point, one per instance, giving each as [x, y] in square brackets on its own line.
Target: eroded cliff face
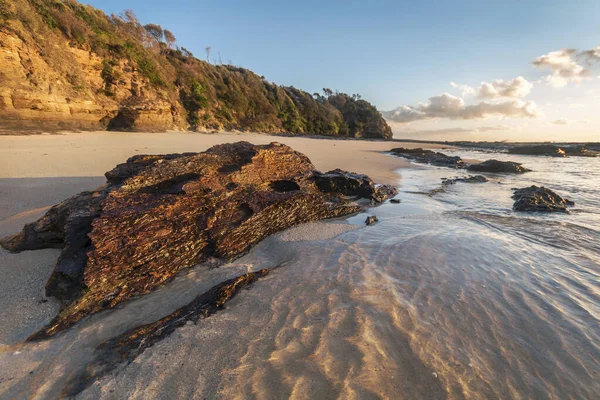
[66, 65]
[63, 87]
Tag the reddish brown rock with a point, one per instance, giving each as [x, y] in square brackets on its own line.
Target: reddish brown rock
[161, 214]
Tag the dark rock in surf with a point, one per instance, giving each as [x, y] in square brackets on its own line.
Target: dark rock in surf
[498, 167]
[371, 220]
[534, 198]
[429, 157]
[158, 215]
[395, 201]
[580, 151]
[539, 150]
[468, 179]
[447, 182]
[352, 184]
[551, 150]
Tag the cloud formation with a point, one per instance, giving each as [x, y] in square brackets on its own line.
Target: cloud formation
[592, 55]
[515, 88]
[452, 107]
[560, 122]
[465, 90]
[564, 66]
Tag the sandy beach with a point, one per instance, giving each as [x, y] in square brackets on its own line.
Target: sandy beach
[37, 172]
[452, 296]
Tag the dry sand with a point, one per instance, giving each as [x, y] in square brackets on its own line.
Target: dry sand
[39, 171]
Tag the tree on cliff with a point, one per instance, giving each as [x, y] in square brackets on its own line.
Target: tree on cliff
[169, 37]
[155, 31]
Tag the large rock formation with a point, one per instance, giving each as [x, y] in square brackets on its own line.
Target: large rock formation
[160, 214]
[541, 199]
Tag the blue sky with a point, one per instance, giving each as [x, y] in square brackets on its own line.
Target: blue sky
[392, 52]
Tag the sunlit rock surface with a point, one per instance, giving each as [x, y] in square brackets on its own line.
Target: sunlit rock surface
[158, 215]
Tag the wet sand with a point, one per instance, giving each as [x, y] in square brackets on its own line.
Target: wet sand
[39, 171]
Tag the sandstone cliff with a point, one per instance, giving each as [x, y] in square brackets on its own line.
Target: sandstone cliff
[64, 65]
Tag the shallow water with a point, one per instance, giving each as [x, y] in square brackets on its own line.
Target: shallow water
[453, 296]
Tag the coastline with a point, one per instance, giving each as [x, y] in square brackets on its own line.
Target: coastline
[434, 301]
[90, 154]
[37, 172]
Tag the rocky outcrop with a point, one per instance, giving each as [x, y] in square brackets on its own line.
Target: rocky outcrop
[429, 157]
[496, 166]
[158, 215]
[539, 199]
[442, 160]
[554, 151]
[62, 87]
[351, 184]
[581, 151]
[539, 150]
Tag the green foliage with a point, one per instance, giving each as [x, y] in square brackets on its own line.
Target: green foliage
[198, 95]
[213, 96]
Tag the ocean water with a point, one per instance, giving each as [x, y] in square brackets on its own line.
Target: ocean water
[452, 296]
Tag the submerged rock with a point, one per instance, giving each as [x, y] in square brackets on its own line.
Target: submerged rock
[161, 214]
[451, 181]
[468, 179]
[395, 201]
[127, 346]
[371, 219]
[498, 167]
[429, 157]
[536, 198]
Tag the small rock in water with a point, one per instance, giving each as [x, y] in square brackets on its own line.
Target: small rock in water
[498, 167]
[395, 201]
[536, 198]
[371, 220]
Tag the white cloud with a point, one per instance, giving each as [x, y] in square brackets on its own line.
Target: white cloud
[448, 106]
[560, 122]
[564, 67]
[564, 121]
[465, 90]
[516, 88]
